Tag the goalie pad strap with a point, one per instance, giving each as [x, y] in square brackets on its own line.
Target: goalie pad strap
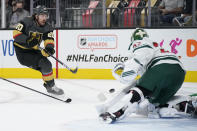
[139, 92]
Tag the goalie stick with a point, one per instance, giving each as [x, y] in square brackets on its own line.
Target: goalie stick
[68, 100]
[71, 70]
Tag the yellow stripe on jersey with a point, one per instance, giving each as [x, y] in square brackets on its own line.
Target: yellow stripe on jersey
[20, 45]
[35, 47]
[48, 77]
[16, 33]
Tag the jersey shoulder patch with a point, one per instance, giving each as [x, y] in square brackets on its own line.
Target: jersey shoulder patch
[23, 24]
[140, 45]
[137, 44]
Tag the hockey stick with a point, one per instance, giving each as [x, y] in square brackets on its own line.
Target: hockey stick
[71, 70]
[68, 100]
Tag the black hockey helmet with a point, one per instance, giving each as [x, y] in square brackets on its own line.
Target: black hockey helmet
[40, 9]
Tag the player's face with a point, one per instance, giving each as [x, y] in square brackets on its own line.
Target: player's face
[41, 19]
[19, 5]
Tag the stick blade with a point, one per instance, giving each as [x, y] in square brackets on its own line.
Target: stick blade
[74, 71]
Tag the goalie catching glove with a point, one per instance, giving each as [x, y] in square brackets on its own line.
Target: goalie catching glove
[117, 70]
[124, 73]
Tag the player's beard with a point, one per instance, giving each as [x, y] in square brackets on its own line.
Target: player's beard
[41, 22]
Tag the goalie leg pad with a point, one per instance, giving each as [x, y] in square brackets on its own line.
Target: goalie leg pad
[168, 112]
[127, 105]
[134, 95]
[177, 99]
[109, 117]
[179, 106]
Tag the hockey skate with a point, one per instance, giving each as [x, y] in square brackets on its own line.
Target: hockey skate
[55, 91]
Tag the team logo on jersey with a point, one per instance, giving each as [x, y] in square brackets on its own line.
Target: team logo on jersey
[36, 35]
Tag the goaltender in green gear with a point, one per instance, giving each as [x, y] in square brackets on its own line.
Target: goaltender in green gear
[28, 35]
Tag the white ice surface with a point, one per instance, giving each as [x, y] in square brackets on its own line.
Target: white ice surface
[24, 110]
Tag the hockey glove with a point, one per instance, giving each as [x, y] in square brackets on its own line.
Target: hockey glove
[118, 69]
[48, 51]
[33, 39]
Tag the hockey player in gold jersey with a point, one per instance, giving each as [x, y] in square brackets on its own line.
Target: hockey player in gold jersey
[28, 35]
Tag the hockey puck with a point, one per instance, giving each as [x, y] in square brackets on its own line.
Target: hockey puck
[112, 90]
[68, 100]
